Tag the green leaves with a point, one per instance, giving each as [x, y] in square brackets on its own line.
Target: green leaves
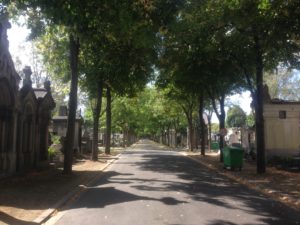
[264, 4]
[236, 117]
[3, 11]
[147, 114]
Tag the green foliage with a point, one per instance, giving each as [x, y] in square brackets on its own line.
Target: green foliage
[52, 151]
[215, 128]
[283, 84]
[236, 117]
[53, 46]
[250, 120]
[3, 10]
[196, 48]
[147, 114]
[88, 117]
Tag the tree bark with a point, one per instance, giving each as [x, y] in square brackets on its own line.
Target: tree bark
[209, 131]
[69, 142]
[221, 118]
[124, 137]
[175, 126]
[189, 117]
[222, 125]
[202, 124]
[96, 115]
[191, 134]
[259, 118]
[175, 136]
[168, 135]
[108, 120]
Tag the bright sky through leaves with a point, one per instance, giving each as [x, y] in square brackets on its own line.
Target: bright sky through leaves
[17, 37]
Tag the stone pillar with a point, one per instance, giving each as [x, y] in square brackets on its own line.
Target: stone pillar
[27, 80]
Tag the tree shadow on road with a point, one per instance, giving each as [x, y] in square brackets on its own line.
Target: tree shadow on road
[100, 197]
[189, 178]
[210, 187]
[29, 196]
[97, 195]
[271, 221]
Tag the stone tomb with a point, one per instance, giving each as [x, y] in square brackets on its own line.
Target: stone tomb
[59, 126]
[24, 116]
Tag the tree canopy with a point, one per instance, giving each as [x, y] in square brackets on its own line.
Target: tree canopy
[236, 117]
[198, 51]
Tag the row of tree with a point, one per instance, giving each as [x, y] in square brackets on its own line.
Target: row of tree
[216, 47]
[198, 51]
[107, 45]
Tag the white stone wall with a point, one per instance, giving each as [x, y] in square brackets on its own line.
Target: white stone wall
[282, 135]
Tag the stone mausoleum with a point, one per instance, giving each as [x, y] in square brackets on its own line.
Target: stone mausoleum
[59, 126]
[25, 114]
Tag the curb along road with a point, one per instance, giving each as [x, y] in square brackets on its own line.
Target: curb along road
[74, 194]
[276, 197]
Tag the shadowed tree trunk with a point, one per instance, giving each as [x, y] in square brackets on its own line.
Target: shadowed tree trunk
[126, 137]
[259, 118]
[202, 124]
[188, 111]
[108, 120]
[96, 117]
[257, 96]
[69, 142]
[222, 125]
[168, 135]
[175, 126]
[191, 133]
[209, 131]
[221, 117]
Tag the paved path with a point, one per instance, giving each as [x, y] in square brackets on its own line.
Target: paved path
[148, 186]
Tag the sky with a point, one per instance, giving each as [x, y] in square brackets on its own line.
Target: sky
[17, 37]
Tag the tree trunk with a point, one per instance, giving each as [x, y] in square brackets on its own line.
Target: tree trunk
[190, 138]
[69, 142]
[96, 117]
[221, 118]
[168, 136]
[202, 124]
[124, 137]
[191, 134]
[222, 125]
[259, 118]
[175, 138]
[108, 120]
[209, 131]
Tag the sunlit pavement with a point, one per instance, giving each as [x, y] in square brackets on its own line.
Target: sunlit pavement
[151, 186]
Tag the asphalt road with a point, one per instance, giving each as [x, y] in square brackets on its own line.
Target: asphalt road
[148, 186]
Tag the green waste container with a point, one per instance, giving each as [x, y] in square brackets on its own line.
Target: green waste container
[215, 146]
[233, 157]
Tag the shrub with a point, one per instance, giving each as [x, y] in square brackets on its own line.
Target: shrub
[52, 151]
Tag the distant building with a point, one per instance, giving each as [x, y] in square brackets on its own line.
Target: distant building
[233, 136]
[59, 127]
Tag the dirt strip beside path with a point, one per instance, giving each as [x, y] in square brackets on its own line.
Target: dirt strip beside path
[280, 185]
[25, 199]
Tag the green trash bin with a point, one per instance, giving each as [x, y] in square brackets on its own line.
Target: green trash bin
[215, 146]
[233, 157]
